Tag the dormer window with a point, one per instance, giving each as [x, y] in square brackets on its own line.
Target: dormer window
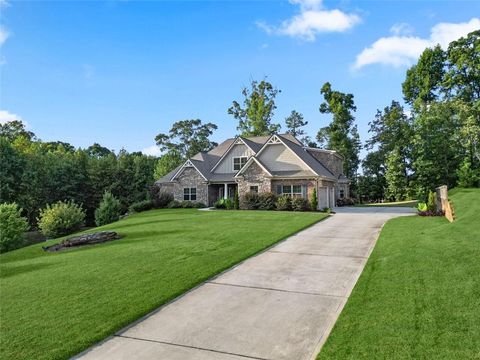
[239, 162]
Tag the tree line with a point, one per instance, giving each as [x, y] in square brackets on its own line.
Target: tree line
[433, 139]
[36, 173]
[437, 140]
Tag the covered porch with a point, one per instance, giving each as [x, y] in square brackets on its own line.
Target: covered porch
[225, 190]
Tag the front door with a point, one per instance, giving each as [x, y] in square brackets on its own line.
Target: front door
[231, 191]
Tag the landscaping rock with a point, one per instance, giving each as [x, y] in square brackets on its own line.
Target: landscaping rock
[87, 239]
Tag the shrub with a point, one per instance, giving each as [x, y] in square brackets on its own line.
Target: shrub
[431, 213]
[140, 206]
[12, 227]
[186, 204]
[267, 201]
[326, 210]
[300, 204]
[199, 205]
[220, 204]
[251, 201]
[61, 218]
[314, 201]
[284, 203]
[174, 204]
[224, 204]
[108, 211]
[422, 207]
[236, 201]
[345, 202]
[431, 204]
[161, 199]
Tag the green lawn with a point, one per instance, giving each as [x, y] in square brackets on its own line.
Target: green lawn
[419, 295]
[54, 305]
[407, 203]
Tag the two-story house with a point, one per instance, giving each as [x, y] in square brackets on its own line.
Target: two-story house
[277, 163]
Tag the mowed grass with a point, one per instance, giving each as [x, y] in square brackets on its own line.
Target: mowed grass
[54, 305]
[419, 295]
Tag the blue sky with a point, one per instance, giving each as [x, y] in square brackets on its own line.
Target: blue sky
[119, 72]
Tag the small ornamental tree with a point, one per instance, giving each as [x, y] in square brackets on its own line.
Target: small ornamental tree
[108, 211]
[314, 202]
[431, 204]
[12, 227]
[61, 218]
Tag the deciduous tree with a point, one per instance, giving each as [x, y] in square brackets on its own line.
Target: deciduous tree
[341, 134]
[187, 138]
[255, 115]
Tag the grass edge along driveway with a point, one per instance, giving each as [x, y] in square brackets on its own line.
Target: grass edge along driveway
[54, 305]
[419, 294]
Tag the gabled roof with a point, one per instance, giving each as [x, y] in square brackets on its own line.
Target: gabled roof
[236, 141]
[308, 159]
[168, 178]
[250, 161]
[205, 162]
[197, 164]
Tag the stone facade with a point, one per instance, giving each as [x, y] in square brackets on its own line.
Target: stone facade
[331, 161]
[254, 176]
[190, 177]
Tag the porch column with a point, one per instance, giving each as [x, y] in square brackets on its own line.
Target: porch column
[225, 191]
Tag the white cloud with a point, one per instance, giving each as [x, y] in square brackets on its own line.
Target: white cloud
[312, 20]
[445, 33]
[4, 34]
[402, 49]
[6, 116]
[153, 150]
[401, 29]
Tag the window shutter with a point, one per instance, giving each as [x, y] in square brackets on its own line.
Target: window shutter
[304, 191]
[279, 189]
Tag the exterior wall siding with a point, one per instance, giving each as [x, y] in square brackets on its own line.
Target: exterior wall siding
[226, 165]
[278, 157]
[331, 161]
[254, 176]
[190, 178]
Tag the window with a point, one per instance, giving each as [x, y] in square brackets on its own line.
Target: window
[254, 189]
[342, 193]
[294, 191]
[239, 162]
[190, 194]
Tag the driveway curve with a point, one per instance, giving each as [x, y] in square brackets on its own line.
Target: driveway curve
[279, 304]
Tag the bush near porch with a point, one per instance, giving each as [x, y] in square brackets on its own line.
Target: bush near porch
[271, 201]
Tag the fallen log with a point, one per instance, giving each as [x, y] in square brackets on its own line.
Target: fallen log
[82, 240]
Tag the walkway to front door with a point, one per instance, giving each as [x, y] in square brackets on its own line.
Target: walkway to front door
[280, 304]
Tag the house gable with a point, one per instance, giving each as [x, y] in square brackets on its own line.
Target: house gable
[238, 148]
[225, 165]
[187, 165]
[253, 174]
[278, 157]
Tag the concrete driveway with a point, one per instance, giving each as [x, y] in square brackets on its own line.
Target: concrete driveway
[280, 304]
